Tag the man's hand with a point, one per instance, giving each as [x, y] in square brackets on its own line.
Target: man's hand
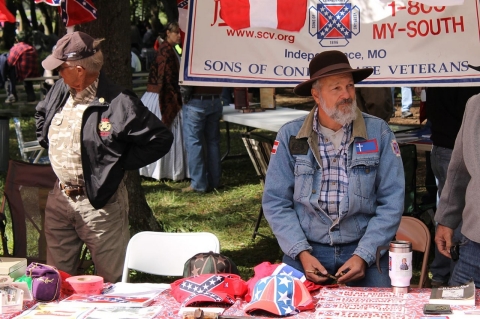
[353, 269]
[443, 239]
[311, 263]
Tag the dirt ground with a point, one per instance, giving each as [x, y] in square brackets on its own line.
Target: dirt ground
[286, 98]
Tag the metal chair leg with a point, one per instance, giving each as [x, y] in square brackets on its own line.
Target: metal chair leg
[257, 225]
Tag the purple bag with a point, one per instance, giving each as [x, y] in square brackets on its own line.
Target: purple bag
[46, 281]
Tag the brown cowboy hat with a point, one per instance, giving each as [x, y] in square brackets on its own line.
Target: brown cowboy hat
[329, 63]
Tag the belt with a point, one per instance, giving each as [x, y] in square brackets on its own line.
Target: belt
[72, 191]
[205, 96]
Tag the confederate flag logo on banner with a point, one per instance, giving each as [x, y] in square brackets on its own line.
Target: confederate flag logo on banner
[50, 2]
[77, 12]
[289, 15]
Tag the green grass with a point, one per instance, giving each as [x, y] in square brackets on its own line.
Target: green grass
[230, 213]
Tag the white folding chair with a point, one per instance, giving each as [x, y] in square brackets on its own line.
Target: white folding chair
[165, 254]
[31, 151]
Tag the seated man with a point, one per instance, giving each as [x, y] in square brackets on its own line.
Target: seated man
[334, 189]
[22, 63]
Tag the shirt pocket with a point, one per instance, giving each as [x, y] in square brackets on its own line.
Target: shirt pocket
[75, 140]
[363, 175]
[54, 131]
[304, 173]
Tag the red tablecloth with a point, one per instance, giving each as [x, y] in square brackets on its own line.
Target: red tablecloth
[414, 305]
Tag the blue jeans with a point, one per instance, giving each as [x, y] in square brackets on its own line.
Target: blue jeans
[332, 257]
[201, 133]
[441, 266]
[468, 266]
[406, 98]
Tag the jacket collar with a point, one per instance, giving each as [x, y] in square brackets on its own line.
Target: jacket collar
[106, 89]
[359, 128]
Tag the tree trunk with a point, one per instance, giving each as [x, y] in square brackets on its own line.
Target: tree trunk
[9, 28]
[47, 19]
[33, 15]
[113, 24]
[26, 27]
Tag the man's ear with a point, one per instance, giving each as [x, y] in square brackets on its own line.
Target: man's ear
[315, 95]
[80, 70]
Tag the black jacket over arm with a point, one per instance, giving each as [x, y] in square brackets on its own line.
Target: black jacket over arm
[135, 137]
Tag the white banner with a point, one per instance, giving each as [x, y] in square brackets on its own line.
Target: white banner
[407, 43]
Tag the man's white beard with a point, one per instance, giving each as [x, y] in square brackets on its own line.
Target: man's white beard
[337, 114]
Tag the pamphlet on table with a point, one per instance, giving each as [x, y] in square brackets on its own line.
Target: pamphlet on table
[456, 295]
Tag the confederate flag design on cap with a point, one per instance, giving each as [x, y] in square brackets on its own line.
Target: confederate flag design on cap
[289, 15]
[266, 269]
[281, 295]
[220, 288]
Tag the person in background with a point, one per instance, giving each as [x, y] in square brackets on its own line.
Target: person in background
[135, 62]
[335, 185]
[201, 131]
[376, 101]
[407, 101]
[94, 131]
[445, 109]
[149, 37]
[163, 98]
[22, 63]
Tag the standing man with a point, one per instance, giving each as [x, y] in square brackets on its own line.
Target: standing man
[459, 201]
[22, 63]
[445, 109]
[334, 189]
[201, 131]
[94, 130]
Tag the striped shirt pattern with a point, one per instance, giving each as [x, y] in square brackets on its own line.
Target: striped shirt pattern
[334, 184]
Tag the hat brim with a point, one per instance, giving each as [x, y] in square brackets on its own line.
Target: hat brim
[476, 68]
[304, 88]
[51, 63]
[265, 305]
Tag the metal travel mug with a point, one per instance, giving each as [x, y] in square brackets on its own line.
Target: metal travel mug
[399, 264]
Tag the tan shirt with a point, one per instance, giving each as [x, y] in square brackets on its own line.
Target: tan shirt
[64, 136]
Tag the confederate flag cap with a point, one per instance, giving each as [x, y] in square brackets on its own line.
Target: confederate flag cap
[217, 288]
[281, 295]
[209, 263]
[71, 47]
[266, 269]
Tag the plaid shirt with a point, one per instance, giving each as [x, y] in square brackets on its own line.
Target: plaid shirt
[25, 59]
[334, 184]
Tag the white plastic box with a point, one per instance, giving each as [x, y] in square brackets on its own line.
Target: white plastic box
[11, 299]
[13, 267]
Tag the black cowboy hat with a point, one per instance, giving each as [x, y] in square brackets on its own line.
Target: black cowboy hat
[330, 63]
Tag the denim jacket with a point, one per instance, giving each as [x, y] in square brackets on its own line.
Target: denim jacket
[369, 213]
